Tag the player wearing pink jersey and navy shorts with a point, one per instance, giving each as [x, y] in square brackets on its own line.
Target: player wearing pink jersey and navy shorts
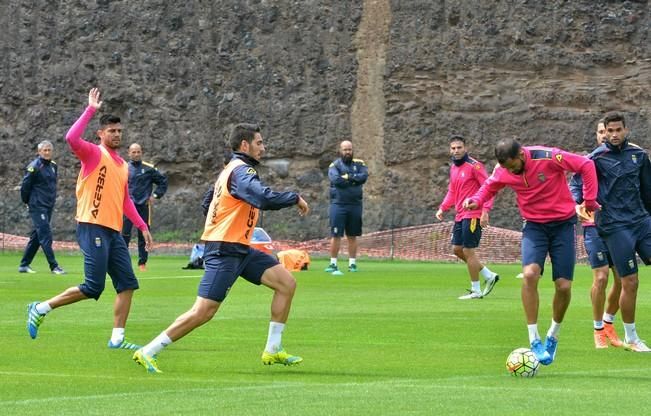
[466, 176]
[538, 177]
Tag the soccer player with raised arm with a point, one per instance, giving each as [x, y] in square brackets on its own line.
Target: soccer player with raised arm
[102, 200]
[232, 216]
[537, 175]
[466, 176]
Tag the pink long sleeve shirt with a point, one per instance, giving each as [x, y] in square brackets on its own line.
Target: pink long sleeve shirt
[465, 181]
[542, 192]
[90, 154]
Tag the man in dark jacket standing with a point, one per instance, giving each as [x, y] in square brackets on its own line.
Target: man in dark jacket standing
[347, 176]
[142, 178]
[39, 191]
[624, 222]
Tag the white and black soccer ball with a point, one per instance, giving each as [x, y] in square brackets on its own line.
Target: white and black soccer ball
[522, 362]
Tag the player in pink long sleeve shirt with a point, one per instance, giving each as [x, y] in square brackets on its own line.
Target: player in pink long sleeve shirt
[102, 199]
[538, 177]
[466, 176]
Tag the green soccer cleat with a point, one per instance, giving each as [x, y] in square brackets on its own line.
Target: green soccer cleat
[124, 345]
[280, 357]
[147, 361]
[352, 268]
[331, 268]
[34, 319]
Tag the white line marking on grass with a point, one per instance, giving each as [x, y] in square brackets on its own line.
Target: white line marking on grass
[428, 384]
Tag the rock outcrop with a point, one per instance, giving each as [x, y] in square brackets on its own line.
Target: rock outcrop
[398, 77]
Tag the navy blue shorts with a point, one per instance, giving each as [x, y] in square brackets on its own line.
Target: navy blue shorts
[624, 243]
[598, 254]
[346, 218]
[222, 271]
[466, 233]
[558, 239]
[104, 252]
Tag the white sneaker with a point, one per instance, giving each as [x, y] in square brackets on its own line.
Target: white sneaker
[636, 346]
[490, 284]
[471, 295]
[519, 276]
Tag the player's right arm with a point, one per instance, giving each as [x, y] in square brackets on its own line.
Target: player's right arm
[448, 201]
[27, 183]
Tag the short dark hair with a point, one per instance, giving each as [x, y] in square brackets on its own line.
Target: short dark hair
[243, 131]
[457, 138]
[107, 119]
[613, 118]
[507, 149]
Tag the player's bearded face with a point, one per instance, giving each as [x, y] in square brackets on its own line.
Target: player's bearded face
[515, 165]
[111, 135]
[616, 132]
[347, 157]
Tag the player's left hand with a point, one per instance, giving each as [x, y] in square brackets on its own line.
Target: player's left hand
[484, 220]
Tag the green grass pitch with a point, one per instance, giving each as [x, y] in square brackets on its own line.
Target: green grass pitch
[390, 340]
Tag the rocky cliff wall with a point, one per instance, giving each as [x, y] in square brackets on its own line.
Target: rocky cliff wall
[397, 76]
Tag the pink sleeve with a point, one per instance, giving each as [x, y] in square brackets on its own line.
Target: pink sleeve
[590, 183]
[131, 212]
[582, 165]
[88, 153]
[489, 189]
[449, 200]
[482, 176]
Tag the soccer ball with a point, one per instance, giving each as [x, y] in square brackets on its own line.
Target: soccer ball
[522, 363]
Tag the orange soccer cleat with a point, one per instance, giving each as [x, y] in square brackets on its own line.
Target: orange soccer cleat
[611, 334]
[600, 339]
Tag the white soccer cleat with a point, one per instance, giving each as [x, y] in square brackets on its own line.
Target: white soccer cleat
[471, 295]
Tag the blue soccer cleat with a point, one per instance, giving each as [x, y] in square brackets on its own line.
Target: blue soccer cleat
[34, 319]
[551, 344]
[124, 345]
[541, 353]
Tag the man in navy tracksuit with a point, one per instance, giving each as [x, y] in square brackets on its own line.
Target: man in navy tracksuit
[624, 223]
[39, 191]
[142, 178]
[347, 177]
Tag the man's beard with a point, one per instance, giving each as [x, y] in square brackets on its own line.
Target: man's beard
[347, 159]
